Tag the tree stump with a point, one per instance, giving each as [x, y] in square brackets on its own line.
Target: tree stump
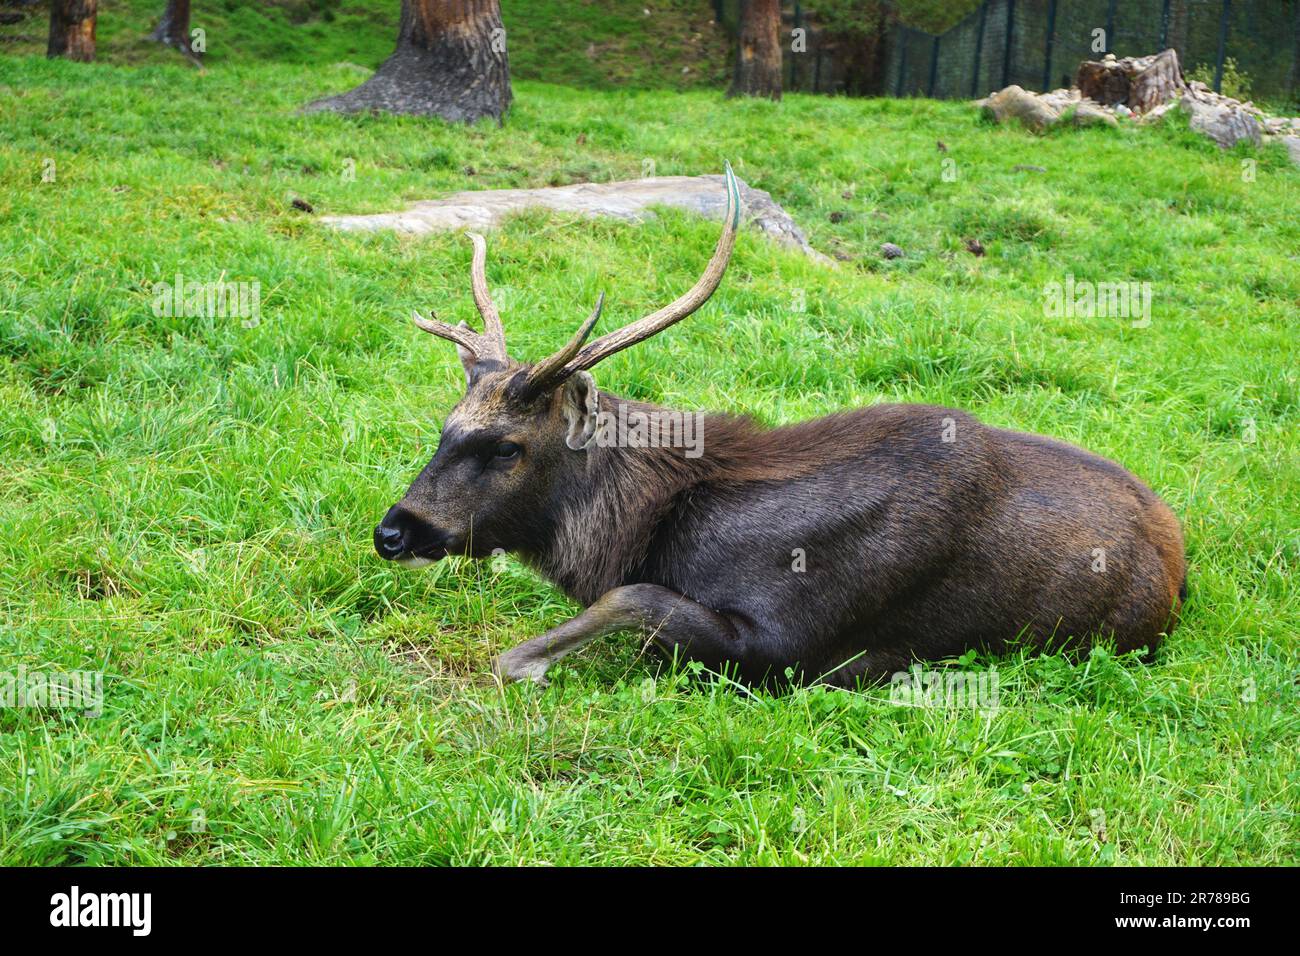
[1140, 83]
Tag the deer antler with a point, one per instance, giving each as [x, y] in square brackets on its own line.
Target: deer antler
[552, 368]
[483, 299]
[574, 357]
[490, 344]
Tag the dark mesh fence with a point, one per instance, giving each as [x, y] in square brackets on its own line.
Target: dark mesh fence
[1038, 44]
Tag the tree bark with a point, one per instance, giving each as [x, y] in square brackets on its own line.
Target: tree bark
[72, 29]
[758, 57]
[1140, 83]
[450, 62]
[173, 29]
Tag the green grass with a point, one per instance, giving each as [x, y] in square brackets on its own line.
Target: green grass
[188, 503]
[588, 43]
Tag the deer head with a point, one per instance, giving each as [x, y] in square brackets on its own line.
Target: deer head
[521, 429]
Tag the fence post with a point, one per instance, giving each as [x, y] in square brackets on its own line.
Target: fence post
[979, 50]
[1047, 52]
[1110, 25]
[902, 61]
[1223, 45]
[1164, 28]
[934, 65]
[1295, 55]
[794, 57]
[1006, 52]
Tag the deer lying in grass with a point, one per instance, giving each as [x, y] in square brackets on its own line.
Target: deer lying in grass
[839, 549]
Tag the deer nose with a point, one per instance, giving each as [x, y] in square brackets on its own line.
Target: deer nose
[388, 542]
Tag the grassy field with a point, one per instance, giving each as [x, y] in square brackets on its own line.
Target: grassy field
[188, 502]
[590, 43]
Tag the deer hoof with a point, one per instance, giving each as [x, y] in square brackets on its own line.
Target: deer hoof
[511, 668]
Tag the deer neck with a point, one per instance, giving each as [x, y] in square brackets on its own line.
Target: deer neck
[609, 506]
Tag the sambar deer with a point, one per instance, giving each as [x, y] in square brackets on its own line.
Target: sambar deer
[840, 549]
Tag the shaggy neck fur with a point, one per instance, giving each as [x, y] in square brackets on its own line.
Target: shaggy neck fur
[611, 502]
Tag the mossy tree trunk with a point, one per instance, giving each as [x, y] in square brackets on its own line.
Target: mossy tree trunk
[450, 61]
[72, 29]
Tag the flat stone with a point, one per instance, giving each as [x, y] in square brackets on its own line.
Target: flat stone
[630, 200]
[1088, 113]
[1225, 124]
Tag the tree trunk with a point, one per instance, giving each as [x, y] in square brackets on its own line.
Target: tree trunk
[72, 29]
[173, 29]
[450, 61]
[758, 58]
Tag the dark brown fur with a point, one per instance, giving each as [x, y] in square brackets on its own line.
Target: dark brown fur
[837, 549]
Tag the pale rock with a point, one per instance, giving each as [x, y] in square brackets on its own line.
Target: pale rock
[1223, 123]
[630, 200]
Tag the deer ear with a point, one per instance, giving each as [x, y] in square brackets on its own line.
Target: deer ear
[467, 358]
[580, 404]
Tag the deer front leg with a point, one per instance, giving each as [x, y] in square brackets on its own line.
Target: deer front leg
[671, 620]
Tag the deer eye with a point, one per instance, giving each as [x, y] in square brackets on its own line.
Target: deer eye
[507, 450]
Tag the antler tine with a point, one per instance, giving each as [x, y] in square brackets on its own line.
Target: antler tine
[675, 311]
[483, 347]
[492, 329]
[548, 372]
[575, 357]
[461, 334]
[488, 345]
